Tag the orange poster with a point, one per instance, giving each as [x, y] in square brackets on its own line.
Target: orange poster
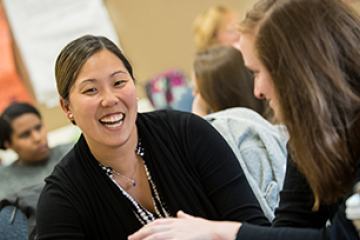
[11, 87]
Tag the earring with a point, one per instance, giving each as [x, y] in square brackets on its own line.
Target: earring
[70, 115]
[137, 98]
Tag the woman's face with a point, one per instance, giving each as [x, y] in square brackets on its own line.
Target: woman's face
[28, 139]
[227, 33]
[103, 101]
[263, 84]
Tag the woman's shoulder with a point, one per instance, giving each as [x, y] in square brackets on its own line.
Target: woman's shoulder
[161, 118]
[65, 166]
[165, 114]
[165, 124]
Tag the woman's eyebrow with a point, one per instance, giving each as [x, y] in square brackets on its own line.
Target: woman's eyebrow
[118, 72]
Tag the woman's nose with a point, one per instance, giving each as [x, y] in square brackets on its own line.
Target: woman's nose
[109, 99]
[257, 90]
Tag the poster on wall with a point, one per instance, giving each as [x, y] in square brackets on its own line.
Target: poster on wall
[12, 88]
[42, 28]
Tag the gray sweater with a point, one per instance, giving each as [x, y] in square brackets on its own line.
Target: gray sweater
[14, 177]
[260, 148]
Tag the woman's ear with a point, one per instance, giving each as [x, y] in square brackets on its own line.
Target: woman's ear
[66, 108]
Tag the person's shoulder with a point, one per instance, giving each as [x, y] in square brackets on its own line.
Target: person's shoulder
[242, 118]
[62, 149]
[9, 168]
[4, 170]
[166, 115]
[168, 120]
[165, 112]
[62, 155]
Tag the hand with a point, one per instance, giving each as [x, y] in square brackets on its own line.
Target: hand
[199, 106]
[186, 227]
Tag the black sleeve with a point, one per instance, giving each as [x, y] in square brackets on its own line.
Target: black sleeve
[66, 225]
[294, 219]
[221, 175]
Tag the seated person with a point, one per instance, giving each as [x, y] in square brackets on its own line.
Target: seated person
[22, 130]
[129, 168]
[224, 86]
[305, 55]
[216, 26]
[222, 81]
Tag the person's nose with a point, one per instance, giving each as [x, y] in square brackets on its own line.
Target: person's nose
[109, 98]
[257, 89]
[36, 135]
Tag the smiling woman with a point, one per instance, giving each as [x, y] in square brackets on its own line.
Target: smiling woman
[130, 168]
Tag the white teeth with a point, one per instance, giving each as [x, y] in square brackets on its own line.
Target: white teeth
[114, 125]
[113, 118]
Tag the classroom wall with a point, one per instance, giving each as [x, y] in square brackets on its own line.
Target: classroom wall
[155, 35]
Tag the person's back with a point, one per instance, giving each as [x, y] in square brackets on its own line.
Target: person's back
[260, 148]
[223, 87]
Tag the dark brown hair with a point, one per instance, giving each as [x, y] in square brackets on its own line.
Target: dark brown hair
[75, 54]
[311, 49]
[12, 112]
[224, 81]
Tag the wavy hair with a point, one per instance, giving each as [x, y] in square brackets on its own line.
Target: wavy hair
[311, 49]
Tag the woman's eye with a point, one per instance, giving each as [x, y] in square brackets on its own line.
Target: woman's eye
[118, 83]
[90, 90]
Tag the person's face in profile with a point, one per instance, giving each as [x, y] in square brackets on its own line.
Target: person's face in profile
[263, 84]
[28, 139]
[103, 101]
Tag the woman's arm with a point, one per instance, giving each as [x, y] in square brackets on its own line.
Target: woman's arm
[341, 228]
[294, 218]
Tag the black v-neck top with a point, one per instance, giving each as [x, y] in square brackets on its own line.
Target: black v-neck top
[192, 166]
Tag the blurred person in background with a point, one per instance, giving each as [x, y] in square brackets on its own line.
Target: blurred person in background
[22, 130]
[215, 26]
[223, 91]
[222, 81]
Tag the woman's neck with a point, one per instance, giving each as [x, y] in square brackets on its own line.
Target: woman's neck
[120, 158]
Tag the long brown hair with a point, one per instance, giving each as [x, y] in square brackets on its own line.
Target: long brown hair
[224, 81]
[311, 49]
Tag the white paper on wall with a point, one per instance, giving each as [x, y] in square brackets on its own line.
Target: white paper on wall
[43, 27]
